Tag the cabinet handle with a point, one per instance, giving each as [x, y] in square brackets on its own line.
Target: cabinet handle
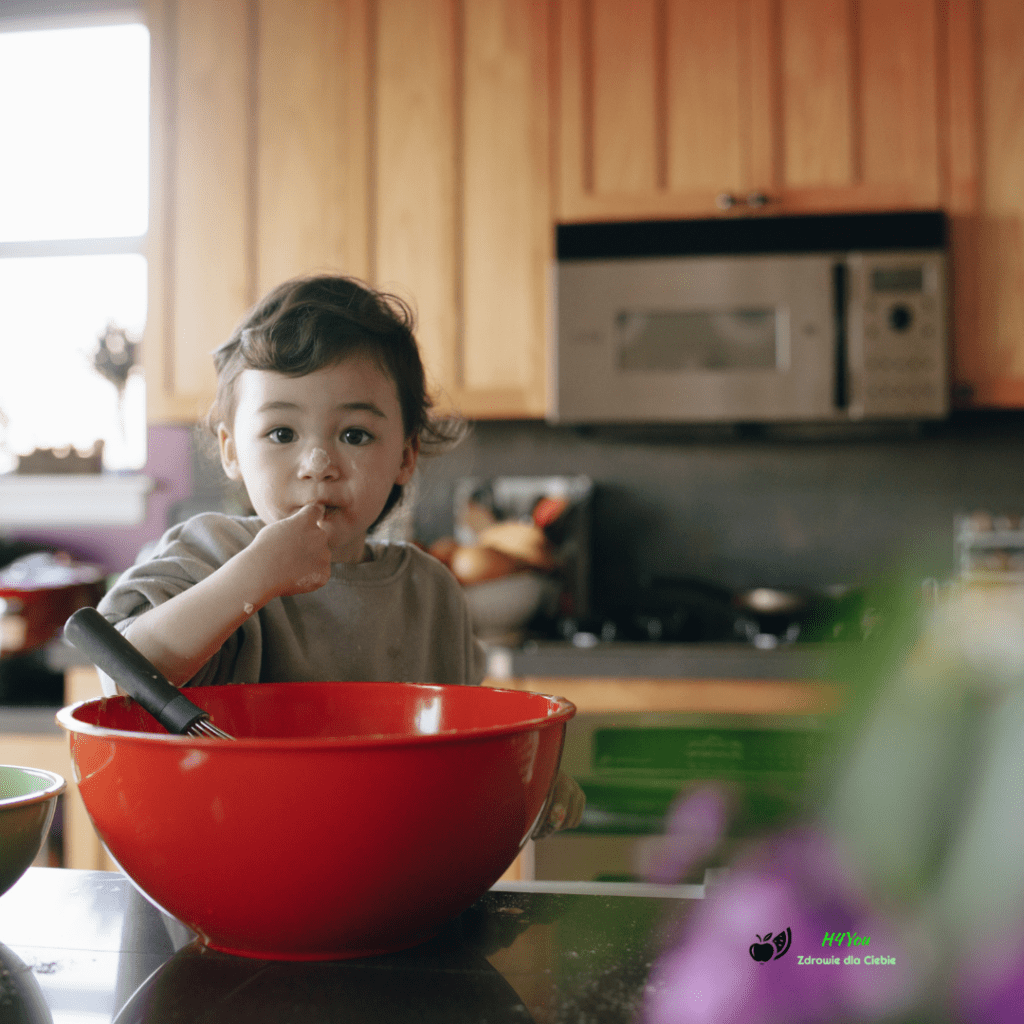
[726, 200]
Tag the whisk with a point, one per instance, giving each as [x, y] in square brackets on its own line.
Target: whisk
[109, 651]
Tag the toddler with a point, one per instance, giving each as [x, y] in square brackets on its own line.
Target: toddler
[321, 411]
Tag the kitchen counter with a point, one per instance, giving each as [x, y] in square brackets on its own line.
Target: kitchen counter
[665, 660]
[85, 945]
[725, 679]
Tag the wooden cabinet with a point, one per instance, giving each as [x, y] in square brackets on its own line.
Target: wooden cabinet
[678, 108]
[664, 107]
[404, 142]
[988, 214]
[428, 146]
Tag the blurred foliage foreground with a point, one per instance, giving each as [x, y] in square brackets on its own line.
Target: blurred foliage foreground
[914, 842]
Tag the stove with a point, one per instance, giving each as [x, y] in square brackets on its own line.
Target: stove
[679, 611]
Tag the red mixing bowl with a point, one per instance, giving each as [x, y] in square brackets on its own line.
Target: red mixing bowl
[346, 819]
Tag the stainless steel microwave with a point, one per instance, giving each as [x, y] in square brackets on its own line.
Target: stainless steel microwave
[768, 319]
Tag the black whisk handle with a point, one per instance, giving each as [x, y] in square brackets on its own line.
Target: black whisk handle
[109, 651]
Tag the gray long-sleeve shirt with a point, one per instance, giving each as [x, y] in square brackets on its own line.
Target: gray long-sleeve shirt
[399, 616]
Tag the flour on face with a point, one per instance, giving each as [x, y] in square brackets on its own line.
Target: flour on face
[317, 461]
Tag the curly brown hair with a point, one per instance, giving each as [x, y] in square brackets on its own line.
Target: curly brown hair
[308, 323]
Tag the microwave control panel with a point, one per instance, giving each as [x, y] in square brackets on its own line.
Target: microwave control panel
[897, 334]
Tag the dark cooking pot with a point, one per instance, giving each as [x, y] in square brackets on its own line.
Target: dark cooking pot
[768, 616]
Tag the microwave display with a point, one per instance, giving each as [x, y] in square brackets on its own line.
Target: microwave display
[698, 339]
[898, 279]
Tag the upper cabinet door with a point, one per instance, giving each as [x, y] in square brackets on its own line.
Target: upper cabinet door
[858, 106]
[259, 172]
[653, 106]
[988, 229]
[684, 107]
[199, 252]
[462, 214]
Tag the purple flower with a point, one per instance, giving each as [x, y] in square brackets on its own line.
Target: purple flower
[989, 984]
[797, 880]
[694, 826]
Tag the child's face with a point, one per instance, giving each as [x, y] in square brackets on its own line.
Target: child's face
[333, 436]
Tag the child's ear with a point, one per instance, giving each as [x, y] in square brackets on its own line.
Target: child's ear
[228, 455]
[410, 453]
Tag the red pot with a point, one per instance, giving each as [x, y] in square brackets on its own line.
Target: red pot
[346, 819]
[40, 591]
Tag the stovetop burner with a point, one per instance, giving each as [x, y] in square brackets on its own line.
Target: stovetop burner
[686, 612]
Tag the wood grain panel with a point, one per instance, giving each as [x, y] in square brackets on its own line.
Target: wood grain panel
[818, 106]
[697, 696]
[706, 95]
[505, 216]
[212, 259]
[624, 77]
[899, 55]
[1001, 235]
[961, 90]
[571, 148]
[417, 248]
[312, 123]
[962, 103]
[762, 75]
[82, 847]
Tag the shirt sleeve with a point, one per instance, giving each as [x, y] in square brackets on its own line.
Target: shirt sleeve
[187, 554]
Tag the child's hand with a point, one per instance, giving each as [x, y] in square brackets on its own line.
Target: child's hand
[565, 809]
[295, 553]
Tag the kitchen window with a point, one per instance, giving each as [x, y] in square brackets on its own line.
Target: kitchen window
[74, 202]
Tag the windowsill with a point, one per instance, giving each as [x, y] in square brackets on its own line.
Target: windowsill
[73, 500]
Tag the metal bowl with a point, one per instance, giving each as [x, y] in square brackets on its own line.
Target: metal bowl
[501, 608]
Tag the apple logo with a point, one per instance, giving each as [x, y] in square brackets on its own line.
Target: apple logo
[766, 946]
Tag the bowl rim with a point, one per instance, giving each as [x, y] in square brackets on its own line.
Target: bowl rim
[55, 785]
[561, 711]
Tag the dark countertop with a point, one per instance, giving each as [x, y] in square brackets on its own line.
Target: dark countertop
[664, 661]
[89, 946]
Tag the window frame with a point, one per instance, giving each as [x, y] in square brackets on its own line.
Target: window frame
[106, 499]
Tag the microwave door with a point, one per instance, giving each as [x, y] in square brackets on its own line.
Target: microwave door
[696, 339]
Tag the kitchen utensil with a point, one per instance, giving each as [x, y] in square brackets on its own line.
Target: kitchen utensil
[346, 819]
[28, 798]
[99, 641]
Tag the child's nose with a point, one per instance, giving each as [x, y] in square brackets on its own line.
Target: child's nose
[317, 463]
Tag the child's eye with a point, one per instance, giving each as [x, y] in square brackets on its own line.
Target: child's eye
[282, 435]
[356, 436]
